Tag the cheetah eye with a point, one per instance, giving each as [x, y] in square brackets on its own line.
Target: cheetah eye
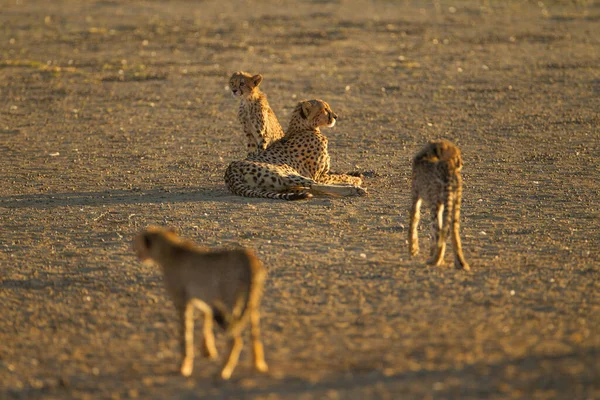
[241, 83]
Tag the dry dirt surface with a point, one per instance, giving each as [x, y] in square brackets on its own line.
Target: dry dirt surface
[116, 114]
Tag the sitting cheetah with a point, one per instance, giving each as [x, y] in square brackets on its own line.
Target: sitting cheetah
[256, 116]
[436, 180]
[295, 166]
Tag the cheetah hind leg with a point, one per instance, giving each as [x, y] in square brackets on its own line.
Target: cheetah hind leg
[459, 258]
[337, 190]
[438, 235]
[297, 189]
[340, 179]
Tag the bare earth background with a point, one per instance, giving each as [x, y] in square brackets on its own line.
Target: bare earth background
[115, 115]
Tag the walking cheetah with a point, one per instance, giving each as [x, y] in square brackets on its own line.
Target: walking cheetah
[258, 120]
[296, 166]
[436, 180]
[225, 285]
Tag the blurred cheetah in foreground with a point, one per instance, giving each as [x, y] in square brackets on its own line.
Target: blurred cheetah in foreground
[296, 166]
[258, 120]
[226, 285]
[436, 180]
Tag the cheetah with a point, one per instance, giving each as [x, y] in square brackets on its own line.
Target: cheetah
[436, 180]
[225, 285]
[258, 120]
[296, 166]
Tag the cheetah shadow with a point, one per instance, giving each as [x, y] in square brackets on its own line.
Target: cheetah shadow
[128, 197]
[419, 383]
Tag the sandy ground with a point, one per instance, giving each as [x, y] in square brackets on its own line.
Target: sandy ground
[115, 115]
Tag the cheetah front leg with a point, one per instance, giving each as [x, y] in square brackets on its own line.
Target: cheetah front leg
[337, 190]
[252, 145]
[187, 334]
[259, 134]
[256, 140]
[209, 350]
[261, 143]
[291, 181]
[340, 179]
[186, 340]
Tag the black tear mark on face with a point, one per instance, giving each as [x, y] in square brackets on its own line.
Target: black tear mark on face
[147, 241]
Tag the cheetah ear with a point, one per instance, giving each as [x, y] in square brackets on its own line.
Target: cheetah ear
[305, 109]
[257, 79]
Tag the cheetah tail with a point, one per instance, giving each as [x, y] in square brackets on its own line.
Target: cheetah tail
[238, 186]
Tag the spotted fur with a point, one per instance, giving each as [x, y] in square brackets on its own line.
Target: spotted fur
[258, 120]
[436, 181]
[296, 166]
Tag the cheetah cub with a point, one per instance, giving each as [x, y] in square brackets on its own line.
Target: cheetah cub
[258, 120]
[436, 180]
[225, 285]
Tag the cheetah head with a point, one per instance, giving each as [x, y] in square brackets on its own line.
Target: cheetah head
[149, 243]
[243, 84]
[316, 113]
[445, 151]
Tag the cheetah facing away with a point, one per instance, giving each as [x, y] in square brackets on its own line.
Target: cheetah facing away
[258, 120]
[225, 285]
[296, 166]
[437, 182]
